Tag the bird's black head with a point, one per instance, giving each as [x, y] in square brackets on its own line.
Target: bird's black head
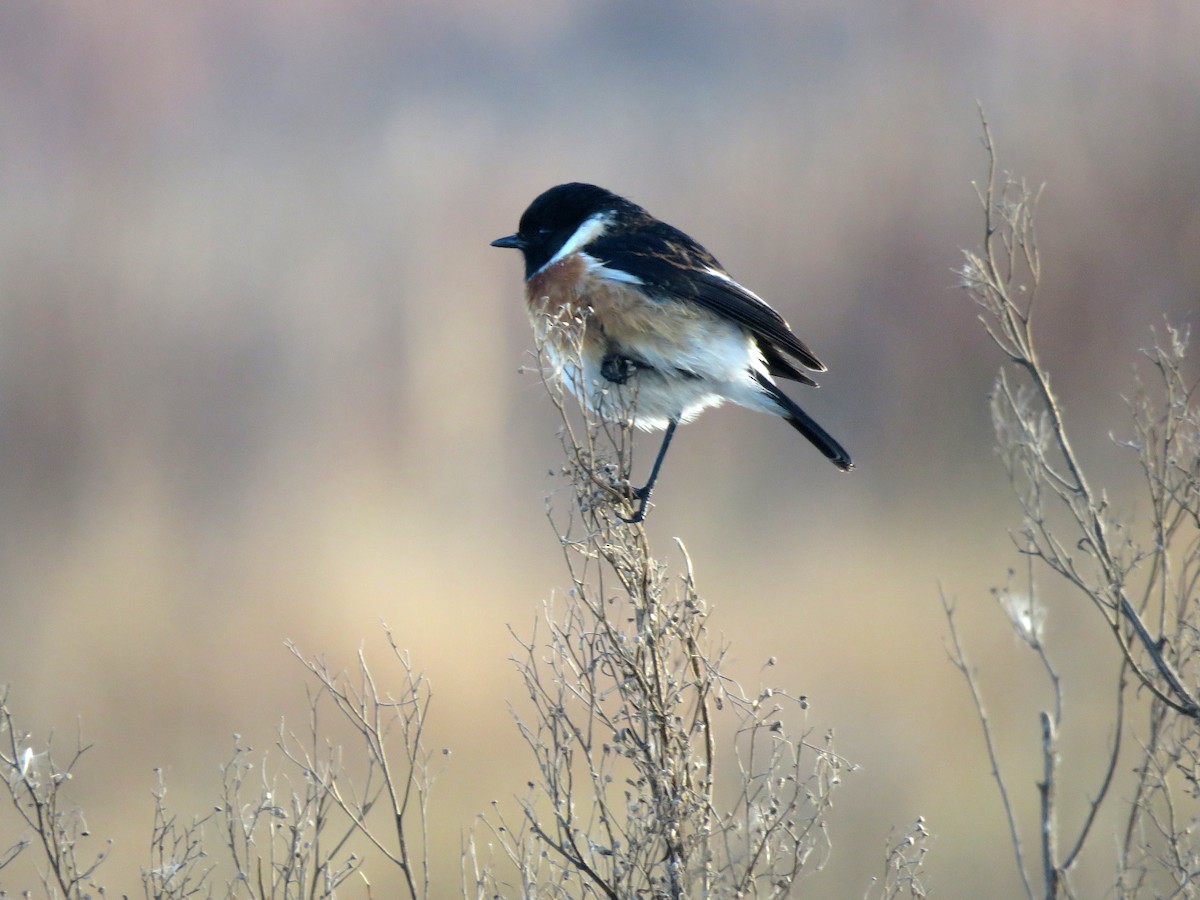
[573, 214]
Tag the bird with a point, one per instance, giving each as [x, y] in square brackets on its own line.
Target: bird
[659, 315]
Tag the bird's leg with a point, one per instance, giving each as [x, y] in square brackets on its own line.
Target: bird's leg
[643, 493]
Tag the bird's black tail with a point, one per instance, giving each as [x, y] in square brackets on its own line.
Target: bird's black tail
[804, 423]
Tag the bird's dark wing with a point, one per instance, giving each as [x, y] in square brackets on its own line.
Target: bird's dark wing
[670, 264]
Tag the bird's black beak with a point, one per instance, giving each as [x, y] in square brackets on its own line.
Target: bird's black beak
[512, 242]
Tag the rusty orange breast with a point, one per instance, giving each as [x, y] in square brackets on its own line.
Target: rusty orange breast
[555, 291]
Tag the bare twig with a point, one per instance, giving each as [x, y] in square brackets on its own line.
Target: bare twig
[1049, 826]
[959, 658]
[36, 784]
[904, 861]
[377, 716]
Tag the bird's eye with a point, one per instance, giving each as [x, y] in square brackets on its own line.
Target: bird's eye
[544, 230]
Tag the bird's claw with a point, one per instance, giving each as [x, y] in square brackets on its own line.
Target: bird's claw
[642, 495]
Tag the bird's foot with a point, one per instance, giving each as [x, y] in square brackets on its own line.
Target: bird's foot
[642, 495]
[616, 368]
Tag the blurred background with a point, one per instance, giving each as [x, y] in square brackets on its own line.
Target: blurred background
[259, 368]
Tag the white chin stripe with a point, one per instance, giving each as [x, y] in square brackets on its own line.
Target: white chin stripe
[590, 229]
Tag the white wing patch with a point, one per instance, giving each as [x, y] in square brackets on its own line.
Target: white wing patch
[598, 268]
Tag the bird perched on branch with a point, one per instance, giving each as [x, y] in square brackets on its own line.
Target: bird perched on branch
[659, 314]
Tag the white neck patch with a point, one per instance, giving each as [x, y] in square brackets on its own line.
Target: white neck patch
[591, 228]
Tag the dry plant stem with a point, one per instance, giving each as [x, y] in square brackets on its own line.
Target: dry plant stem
[1010, 252]
[959, 659]
[903, 866]
[12, 852]
[375, 715]
[179, 862]
[273, 832]
[320, 764]
[289, 836]
[1106, 783]
[35, 783]
[1049, 828]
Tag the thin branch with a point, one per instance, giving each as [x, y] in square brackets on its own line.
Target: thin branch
[959, 660]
